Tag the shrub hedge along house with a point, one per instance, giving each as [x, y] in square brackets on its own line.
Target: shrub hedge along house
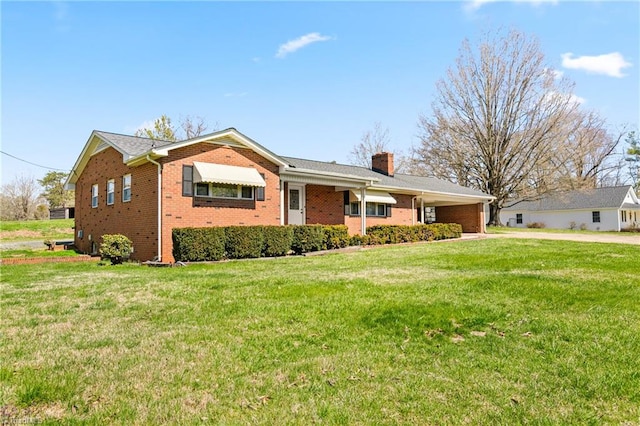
[144, 188]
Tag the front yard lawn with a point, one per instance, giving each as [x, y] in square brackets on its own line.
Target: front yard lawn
[494, 331]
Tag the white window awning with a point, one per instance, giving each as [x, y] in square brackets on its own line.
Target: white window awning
[221, 173]
[376, 197]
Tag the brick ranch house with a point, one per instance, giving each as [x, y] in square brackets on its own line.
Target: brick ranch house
[144, 188]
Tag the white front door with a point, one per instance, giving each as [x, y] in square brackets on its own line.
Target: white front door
[296, 204]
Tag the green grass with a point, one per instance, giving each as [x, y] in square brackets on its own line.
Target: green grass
[495, 331]
[30, 230]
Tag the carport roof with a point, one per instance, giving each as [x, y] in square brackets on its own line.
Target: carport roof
[403, 182]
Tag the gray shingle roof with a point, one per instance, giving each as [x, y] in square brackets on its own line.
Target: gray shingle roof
[131, 145]
[409, 182]
[599, 198]
[135, 146]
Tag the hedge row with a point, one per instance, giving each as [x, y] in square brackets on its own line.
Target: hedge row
[239, 242]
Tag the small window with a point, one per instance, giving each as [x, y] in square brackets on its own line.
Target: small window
[187, 181]
[94, 196]
[595, 216]
[111, 191]
[126, 188]
[623, 215]
[355, 208]
[202, 189]
[519, 218]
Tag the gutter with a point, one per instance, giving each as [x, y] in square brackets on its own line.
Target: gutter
[159, 205]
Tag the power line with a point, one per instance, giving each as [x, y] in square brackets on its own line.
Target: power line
[33, 164]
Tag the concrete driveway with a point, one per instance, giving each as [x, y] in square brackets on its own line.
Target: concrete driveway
[622, 238]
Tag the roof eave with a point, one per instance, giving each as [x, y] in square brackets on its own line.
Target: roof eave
[293, 172]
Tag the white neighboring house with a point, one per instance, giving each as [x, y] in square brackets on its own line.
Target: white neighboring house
[601, 209]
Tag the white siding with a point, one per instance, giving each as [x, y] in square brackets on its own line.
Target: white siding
[609, 219]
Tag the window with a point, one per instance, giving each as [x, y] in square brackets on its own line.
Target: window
[111, 191]
[519, 218]
[223, 190]
[94, 196]
[187, 181]
[260, 190]
[372, 209]
[595, 216]
[355, 208]
[623, 215]
[126, 188]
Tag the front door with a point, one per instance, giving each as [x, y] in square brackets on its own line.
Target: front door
[296, 204]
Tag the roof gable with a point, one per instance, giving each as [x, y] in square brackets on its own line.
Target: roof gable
[137, 150]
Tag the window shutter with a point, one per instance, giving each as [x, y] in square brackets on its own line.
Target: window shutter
[187, 181]
[260, 191]
[347, 209]
[388, 210]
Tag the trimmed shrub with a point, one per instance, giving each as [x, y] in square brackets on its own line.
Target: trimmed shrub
[116, 248]
[198, 244]
[277, 240]
[307, 238]
[395, 234]
[335, 236]
[443, 231]
[359, 240]
[244, 241]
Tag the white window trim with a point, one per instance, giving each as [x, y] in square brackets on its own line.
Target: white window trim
[356, 204]
[111, 192]
[125, 187]
[94, 195]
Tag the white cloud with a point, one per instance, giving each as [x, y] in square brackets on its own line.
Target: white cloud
[293, 45]
[473, 5]
[610, 64]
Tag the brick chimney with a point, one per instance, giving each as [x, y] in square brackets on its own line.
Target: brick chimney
[382, 162]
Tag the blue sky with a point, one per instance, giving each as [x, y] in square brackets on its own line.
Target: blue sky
[303, 79]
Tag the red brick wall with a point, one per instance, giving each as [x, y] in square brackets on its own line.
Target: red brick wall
[325, 205]
[470, 216]
[136, 219]
[181, 212]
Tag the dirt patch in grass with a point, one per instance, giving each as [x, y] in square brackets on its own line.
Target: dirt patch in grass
[13, 235]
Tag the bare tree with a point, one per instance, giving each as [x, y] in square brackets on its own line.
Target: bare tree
[497, 118]
[20, 199]
[163, 129]
[371, 142]
[193, 126]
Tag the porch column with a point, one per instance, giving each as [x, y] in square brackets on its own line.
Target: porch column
[363, 210]
[422, 210]
[281, 202]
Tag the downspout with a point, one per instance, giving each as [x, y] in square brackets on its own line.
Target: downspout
[413, 210]
[159, 205]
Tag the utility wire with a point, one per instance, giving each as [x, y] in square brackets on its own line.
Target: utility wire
[33, 164]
